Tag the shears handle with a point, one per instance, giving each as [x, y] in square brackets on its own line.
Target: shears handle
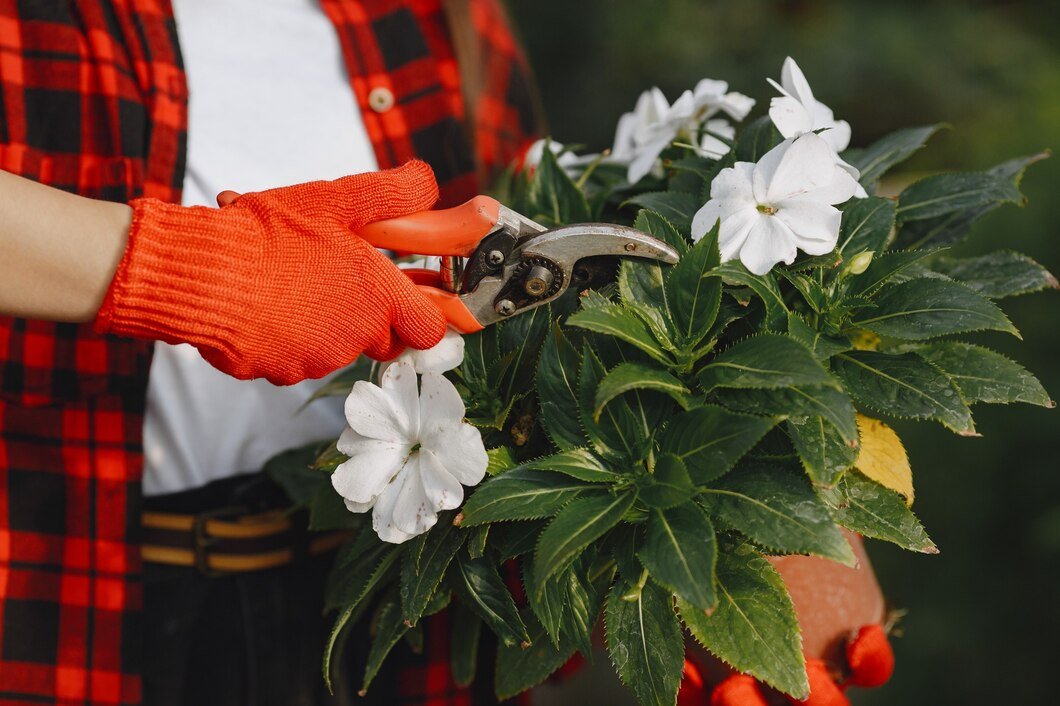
[454, 310]
[450, 231]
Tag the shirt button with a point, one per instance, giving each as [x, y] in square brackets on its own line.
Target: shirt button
[381, 99]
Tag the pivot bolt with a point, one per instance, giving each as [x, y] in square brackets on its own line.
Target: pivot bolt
[494, 257]
[505, 307]
[630, 247]
[537, 281]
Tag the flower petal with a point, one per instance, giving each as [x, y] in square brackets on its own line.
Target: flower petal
[383, 513]
[647, 155]
[459, 449]
[807, 163]
[440, 405]
[795, 83]
[705, 218]
[384, 411]
[445, 355]
[790, 116]
[734, 230]
[370, 467]
[442, 490]
[769, 242]
[413, 512]
[837, 135]
[811, 220]
[359, 507]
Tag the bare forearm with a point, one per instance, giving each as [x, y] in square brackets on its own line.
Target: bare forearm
[58, 251]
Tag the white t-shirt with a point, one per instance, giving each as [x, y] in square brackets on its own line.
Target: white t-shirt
[269, 104]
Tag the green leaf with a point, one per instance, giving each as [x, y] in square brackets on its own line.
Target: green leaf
[754, 628]
[577, 525]
[925, 308]
[680, 552]
[903, 386]
[476, 543]
[756, 138]
[645, 643]
[822, 346]
[361, 565]
[824, 453]
[779, 510]
[500, 460]
[482, 590]
[328, 512]
[329, 459]
[693, 294]
[466, 631]
[710, 440]
[513, 539]
[637, 376]
[519, 669]
[952, 227]
[883, 268]
[620, 322]
[557, 387]
[999, 274]
[764, 286]
[291, 471]
[866, 225]
[520, 494]
[798, 402]
[874, 161]
[618, 432]
[657, 226]
[765, 361]
[668, 485]
[577, 463]
[641, 282]
[554, 195]
[982, 375]
[388, 627]
[351, 614]
[677, 207]
[423, 568]
[944, 194]
[864, 506]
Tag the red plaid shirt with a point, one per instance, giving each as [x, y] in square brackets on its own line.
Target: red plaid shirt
[93, 100]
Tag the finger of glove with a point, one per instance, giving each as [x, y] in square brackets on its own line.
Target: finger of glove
[738, 690]
[870, 657]
[365, 198]
[387, 347]
[823, 689]
[417, 320]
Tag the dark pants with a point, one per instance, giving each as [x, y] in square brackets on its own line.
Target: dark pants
[250, 639]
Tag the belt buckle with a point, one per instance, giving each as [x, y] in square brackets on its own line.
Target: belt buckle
[204, 541]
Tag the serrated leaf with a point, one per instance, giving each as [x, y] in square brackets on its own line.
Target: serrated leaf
[520, 494]
[578, 524]
[513, 539]
[645, 643]
[925, 308]
[824, 453]
[943, 194]
[764, 286]
[822, 346]
[351, 614]
[618, 432]
[637, 376]
[482, 590]
[754, 628]
[328, 512]
[658, 226]
[476, 542]
[422, 570]
[693, 294]
[577, 463]
[519, 669]
[866, 225]
[864, 506]
[361, 565]
[557, 386]
[388, 627]
[882, 457]
[554, 196]
[680, 552]
[998, 274]
[903, 386]
[620, 322]
[874, 161]
[982, 375]
[765, 361]
[464, 641]
[883, 268]
[710, 440]
[668, 485]
[641, 282]
[677, 207]
[756, 138]
[777, 509]
[798, 402]
[500, 460]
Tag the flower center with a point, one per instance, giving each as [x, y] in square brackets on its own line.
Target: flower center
[768, 210]
[415, 448]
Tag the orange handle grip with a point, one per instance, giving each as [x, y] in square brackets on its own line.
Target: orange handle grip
[451, 231]
[456, 313]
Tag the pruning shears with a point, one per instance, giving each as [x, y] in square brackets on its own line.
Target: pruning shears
[497, 263]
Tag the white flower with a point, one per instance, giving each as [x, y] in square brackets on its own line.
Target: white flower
[783, 203]
[443, 356]
[409, 451]
[654, 124]
[567, 160]
[710, 145]
[796, 112]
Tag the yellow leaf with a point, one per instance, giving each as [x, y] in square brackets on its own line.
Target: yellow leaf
[882, 457]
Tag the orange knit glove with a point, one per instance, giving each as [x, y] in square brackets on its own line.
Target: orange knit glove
[276, 284]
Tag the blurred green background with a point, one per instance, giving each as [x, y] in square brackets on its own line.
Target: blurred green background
[983, 614]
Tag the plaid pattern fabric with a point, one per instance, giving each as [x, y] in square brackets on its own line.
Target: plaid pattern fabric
[93, 100]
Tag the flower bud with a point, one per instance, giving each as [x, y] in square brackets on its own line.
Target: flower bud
[859, 263]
